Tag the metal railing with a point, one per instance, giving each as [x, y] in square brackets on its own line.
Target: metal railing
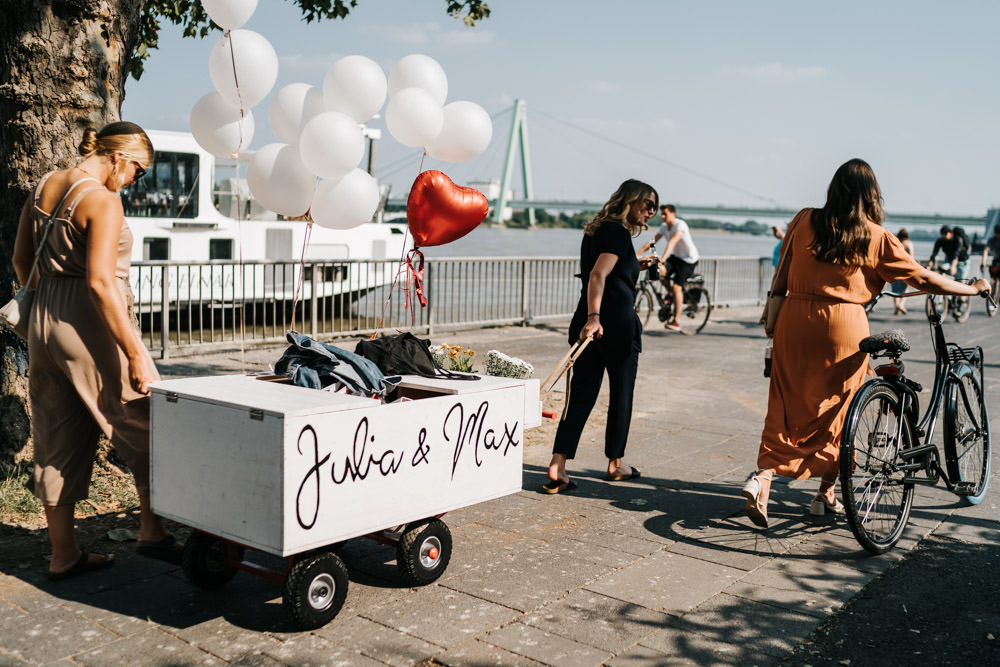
[187, 308]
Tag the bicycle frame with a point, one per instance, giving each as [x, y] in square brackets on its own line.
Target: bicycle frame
[924, 454]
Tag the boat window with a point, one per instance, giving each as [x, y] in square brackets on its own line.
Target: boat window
[169, 189]
[220, 248]
[155, 248]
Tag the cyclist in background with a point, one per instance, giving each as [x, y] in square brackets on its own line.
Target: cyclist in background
[680, 257]
[992, 247]
[954, 245]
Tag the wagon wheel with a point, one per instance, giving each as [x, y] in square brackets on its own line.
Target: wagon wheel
[423, 551]
[204, 560]
[315, 590]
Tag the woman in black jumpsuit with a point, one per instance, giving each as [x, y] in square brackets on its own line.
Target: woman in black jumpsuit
[609, 271]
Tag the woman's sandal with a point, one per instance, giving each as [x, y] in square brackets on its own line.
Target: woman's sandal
[819, 507]
[756, 511]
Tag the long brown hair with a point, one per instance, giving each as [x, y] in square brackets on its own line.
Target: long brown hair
[617, 207]
[841, 226]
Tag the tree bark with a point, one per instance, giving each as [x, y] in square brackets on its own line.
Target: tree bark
[63, 65]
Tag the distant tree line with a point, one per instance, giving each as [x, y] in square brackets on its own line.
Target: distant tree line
[543, 218]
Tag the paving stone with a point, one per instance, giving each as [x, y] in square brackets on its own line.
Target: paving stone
[673, 647]
[667, 582]
[812, 603]
[595, 553]
[442, 616]
[309, 650]
[474, 652]
[808, 576]
[155, 648]
[220, 637]
[51, 634]
[626, 544]
[491, 508]
[597, 620]
[528, 579]
[545, 647]
[745, 624]
[377, 641]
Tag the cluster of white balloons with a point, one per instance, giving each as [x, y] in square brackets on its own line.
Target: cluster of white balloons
[319, 130]
[417, 116]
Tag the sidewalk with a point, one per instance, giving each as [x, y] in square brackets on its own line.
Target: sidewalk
[662, 570]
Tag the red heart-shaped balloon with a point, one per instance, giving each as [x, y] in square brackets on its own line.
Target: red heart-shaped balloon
[438, 211]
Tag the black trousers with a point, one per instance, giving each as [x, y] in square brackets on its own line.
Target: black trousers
[588, 373]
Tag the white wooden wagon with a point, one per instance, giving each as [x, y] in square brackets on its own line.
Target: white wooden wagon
[253, 464]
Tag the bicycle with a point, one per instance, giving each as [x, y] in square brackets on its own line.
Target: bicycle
[960, 307]
[650, 298]
[885, 451]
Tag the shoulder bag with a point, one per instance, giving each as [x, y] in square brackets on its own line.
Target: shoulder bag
[16, 312]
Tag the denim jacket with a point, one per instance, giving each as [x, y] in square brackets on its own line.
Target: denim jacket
[315, 365]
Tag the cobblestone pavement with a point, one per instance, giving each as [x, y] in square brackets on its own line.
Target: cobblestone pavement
[661, 570]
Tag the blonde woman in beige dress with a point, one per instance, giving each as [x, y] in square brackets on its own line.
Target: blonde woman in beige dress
[89, 370]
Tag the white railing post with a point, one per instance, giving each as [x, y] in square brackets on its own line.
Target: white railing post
[165, 312]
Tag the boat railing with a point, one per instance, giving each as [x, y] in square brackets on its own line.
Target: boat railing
[189, 308]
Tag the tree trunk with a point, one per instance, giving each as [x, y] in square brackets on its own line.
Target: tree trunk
[63, 65]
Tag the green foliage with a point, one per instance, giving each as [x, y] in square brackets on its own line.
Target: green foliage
[191, 15]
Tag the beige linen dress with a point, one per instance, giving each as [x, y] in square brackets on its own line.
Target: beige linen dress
[78, 376]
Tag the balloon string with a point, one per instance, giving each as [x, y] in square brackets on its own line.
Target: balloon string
[239, 93]
[404, 265]
[302, 274]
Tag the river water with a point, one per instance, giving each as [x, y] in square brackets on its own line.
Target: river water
[507, 242]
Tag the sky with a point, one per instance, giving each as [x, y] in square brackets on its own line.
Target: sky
[739, 103]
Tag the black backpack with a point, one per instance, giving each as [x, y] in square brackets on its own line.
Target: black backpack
[405, 354]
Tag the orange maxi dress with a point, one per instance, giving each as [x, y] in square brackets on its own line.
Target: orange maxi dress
[816, 366]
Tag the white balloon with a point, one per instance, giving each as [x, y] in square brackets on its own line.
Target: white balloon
[218, 128]
[256, 67]
[345, 203]
[229, 14]
[292, 107]
[331, 144]
[419, 71]
[279, 181]
[356, 86]
[466, 133]
[413, 117]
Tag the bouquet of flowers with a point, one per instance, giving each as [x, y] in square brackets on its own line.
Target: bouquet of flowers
[453, 357]
[500, 365]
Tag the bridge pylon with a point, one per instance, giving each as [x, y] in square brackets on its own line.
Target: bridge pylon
[518, 136]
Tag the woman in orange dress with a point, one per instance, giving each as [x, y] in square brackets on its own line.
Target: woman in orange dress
[839, 258]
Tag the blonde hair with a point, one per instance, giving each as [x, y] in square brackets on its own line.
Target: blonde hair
[617, 207]
[119, 137]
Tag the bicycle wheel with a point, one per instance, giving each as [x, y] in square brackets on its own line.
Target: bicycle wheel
[940, 304]
[877, 499]
[644, 305]
[967, 432]
[991, 310]
[961, 307]
[697, 307]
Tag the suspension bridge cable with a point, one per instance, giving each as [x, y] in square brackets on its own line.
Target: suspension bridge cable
[656, 158]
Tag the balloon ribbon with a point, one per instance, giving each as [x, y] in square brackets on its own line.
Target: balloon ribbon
[415, 273]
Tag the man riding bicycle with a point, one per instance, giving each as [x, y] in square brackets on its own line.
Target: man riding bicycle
[954, 245]
[680, 258]
[992, 247]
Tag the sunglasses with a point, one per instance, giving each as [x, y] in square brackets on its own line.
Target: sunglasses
[139, 172]
[650, 205]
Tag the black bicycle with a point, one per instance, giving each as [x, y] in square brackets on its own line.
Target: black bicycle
[886, 447]
[651, 297]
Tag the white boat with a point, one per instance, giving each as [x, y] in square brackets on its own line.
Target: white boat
[174, 214]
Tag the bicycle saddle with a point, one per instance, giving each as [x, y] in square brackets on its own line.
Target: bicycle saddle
[893, 342]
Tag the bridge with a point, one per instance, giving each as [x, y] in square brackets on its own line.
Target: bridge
[517, 145]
